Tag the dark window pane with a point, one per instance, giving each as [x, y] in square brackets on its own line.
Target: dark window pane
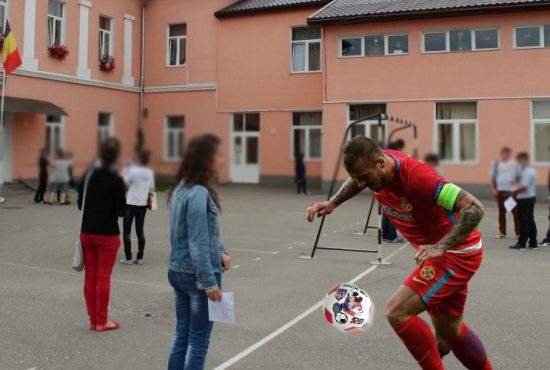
[541, 110]
[105, 23]
[55, 8]
[377, 133]
[57, 36]
[360, 111]
[251, 150]
[374, 45]
[398, 44]
[173, 45]
[315, 143]
[171, 145]
[435, 41]
[107, 47]
[351, 47]
[238, 122]
[461, 40]
[299, 142]
[547, 36]
[486, 39]
[358, 130]
[252, 121]
[175, 122]
[445, 148]
[315, 56]
[183, 51]
[104, 119]
[542, 142]
[178, 29]
[527, 36]
[307, 119]
[459, 110]
[306, 33]
[2, 17]
[468, 142]
[48, 138]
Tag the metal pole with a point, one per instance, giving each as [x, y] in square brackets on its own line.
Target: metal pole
[2, 133]
[368, 217]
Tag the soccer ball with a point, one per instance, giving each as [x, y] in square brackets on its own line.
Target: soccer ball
[348, 308]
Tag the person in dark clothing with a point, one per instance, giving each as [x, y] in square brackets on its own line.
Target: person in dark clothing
[526, 199]
[546, 241]
[43, 164]
[300, 174]
[104, 202]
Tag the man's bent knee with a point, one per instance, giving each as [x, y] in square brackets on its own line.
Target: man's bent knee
[404, 304]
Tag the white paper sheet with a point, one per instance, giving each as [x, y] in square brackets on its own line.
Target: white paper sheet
[223, 311]
[510, 204]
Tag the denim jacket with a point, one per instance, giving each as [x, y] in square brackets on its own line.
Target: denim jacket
[194, 235]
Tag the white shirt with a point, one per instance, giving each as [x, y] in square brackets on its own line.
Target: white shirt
[140, 181]
[505, 173]
[528, 179]
[60, 170]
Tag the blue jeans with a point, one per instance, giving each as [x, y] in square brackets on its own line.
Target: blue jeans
[193, 327]
[388, 230]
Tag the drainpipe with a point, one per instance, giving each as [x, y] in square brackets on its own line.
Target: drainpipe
[140, 135]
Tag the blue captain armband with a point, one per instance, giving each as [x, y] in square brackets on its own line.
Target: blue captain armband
[447, 196]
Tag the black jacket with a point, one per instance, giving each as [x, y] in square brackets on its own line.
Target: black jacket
[105, 202]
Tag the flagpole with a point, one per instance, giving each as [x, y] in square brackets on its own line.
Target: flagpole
[2, 132]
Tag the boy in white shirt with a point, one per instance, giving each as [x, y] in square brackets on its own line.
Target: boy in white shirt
[503, 181]
[140, 181]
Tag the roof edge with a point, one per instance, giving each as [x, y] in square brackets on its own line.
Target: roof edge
[428, 13]
[234, 13]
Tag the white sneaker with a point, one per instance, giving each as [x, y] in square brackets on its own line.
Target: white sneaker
[124, 261]
[139, 262]
[2, 200]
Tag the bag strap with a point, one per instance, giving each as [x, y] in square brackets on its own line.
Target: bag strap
[86, 181]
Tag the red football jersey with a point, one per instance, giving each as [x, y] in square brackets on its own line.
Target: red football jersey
[410, 202]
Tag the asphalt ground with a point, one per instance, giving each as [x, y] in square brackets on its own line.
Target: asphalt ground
[43, 324]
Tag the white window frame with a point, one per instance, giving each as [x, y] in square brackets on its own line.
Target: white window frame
[342, 38]
[448, 40]
[110, 130]
[306, 55]
[306, 129]
[387, 45]
[474, 48]
[456, 135]
[178, 38]
[104, 34]
[367, 124]
[6, 5]
[54, 18]
[534, 122]
[51, 126]
[541, 36]
[167, 132]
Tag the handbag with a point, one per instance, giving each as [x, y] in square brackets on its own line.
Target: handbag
[78, 253]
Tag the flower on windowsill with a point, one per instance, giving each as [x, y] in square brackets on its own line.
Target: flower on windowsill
[107, 63]
[57, 51]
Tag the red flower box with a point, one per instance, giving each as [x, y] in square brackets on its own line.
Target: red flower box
[107, 64]
[57, 51]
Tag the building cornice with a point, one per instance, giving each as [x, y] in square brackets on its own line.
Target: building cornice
[206, 86]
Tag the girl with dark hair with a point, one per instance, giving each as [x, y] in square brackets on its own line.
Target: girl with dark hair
[197, 257]
[104, 202]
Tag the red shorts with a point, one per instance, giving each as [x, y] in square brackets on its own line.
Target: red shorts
[442, 283]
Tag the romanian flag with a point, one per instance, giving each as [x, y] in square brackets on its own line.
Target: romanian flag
[11, 59]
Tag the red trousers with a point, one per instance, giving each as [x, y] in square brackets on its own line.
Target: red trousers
[100, 252]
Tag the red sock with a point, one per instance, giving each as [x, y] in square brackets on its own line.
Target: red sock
[419, 340]
[468, 348]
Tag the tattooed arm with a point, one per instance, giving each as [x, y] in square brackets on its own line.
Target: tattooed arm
[348, 190]
[470, 212]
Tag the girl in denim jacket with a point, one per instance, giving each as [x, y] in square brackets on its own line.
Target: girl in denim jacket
[197, 257]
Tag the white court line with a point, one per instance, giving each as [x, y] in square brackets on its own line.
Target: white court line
[257, 258]
[294, 321]
[82, 274]
[254, 251]
[235, 267]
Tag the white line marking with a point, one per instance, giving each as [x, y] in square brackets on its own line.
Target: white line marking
[235, 267]
[294, 321]
[257, 258]
[254, 251]
[302, 243]
[290, 247]
[81, 275]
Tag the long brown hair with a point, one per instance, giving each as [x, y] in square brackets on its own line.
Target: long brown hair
[197, 165]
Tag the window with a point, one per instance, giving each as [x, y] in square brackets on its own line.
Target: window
[375, 45]
[541, 122]
[105, 37]
[398, 44]
[177, 44]
[457, 131]
[54, 134]
[435, 42]
[486, 39]
[367, 128]
[174, 137]
[55, 22]
[306, 134]
[104, 127]
[351, 47]
[461, 40]
[306, 49]
[3, 14]
[532, 37]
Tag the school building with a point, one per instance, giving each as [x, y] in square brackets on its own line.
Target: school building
[276, 77]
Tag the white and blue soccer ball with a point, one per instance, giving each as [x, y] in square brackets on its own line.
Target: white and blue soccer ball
[348, 308]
